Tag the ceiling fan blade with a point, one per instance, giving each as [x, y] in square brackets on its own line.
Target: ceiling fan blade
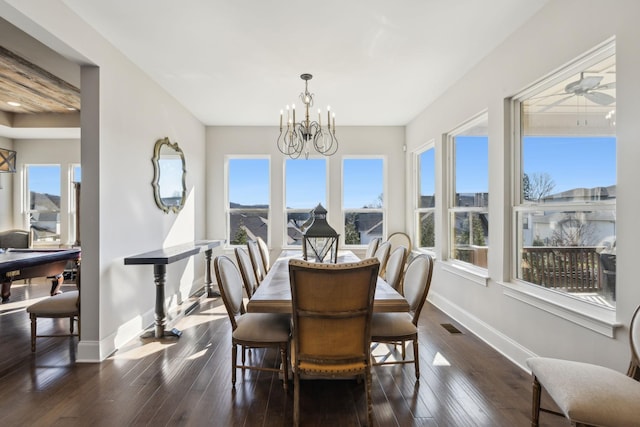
[599, 98]
[583, 84]
[606, 86]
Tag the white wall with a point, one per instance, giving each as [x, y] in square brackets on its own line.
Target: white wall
[123, 114]
[560, 32]
[374, 140]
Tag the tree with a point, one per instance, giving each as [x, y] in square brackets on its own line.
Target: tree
[241, 235]
[427, 231]
[537, 186]
[377, 204]
[572, 231]
[351, 235]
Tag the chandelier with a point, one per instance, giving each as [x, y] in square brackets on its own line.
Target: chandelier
[295, 138]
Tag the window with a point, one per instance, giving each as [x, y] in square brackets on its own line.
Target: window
[362, 200]
[305, 187]
[43, 202]
[426, 199]
[469, 200]
[565, 211]
[248, 199]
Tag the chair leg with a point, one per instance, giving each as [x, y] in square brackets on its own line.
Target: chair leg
[367, 386]
[71, 324]
[285, 368]
[535, 407]
[34, 321]
[416, 359]
[234, 359]
[296, 399]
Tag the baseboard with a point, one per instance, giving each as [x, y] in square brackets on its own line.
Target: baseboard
[500, 342]
[97, 351]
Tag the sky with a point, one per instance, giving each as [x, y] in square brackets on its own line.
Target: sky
[571, 162]
[46, 178]
[306, 182]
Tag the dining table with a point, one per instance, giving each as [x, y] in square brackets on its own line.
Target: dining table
[273, 295]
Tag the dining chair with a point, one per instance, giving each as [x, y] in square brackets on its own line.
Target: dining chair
[246, 271]
[15, 239]
[372, 247]
[264, 254]
[256, 260]
[382, 254]
[588, 394]
[398, 328]
[58, 306]
[250, 330]
[394, 271]
[399, 238]
[332, 306]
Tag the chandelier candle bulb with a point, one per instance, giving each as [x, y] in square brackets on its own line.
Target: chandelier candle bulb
[281, 119]
[319, 120]
[328, 116]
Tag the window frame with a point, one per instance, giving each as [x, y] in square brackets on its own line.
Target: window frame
[476, 273]
[287, 211]
[382, 210]
[417, 194]
[72, 214]
[27, 211]
[592, 316]
[227, 202]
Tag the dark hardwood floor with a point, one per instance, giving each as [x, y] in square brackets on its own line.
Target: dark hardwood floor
[188, 381]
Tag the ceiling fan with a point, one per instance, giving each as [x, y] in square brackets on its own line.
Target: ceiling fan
[589, 87]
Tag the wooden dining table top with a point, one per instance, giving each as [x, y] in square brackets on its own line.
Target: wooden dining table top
[274, 293]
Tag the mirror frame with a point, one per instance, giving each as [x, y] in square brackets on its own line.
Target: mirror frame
[156, 175]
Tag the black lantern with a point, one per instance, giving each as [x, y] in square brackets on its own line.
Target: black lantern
[320, 240]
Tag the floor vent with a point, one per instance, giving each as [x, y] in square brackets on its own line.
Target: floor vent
[452, 329]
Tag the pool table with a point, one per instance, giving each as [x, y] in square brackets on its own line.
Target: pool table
[16, 264]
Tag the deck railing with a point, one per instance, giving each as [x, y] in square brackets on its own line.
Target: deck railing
[574, 269]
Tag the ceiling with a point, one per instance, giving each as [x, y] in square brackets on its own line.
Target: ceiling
[239, 63]
[375, 62]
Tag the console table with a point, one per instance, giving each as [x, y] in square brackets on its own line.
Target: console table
[160, 259]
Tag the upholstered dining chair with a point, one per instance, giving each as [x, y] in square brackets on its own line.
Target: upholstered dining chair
[246, 271]
[250, 330]
[332, 306]
[587, 394]
[394, 270]
[399, 238]
[15, 239]
[394, 328]
[264, 254]
[372, 247]
[382, 254]
[58, 306]
[256, 260]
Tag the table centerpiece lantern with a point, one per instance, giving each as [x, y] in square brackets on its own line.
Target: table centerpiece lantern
[320, 239]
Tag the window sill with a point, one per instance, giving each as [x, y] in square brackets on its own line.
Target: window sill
[598, 319]
[475, 274]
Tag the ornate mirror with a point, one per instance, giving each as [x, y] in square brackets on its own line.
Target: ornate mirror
[169, 172]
